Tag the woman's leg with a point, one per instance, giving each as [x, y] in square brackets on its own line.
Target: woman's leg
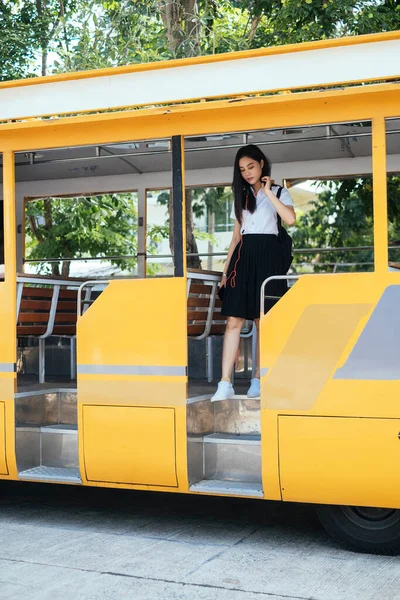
[257, 370]
[231, 344]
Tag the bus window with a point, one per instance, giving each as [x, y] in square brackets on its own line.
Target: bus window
[94, 235]
[208, 227]
[83, 215]
[393, 191]
[212, 224]
[159, 233]
[328, 169]
[334, 229]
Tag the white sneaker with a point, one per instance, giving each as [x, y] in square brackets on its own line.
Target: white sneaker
[254, 389]
[225, 390]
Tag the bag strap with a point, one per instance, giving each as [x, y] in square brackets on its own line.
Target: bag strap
[279, 220]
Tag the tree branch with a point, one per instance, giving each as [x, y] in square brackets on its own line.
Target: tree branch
[254, 25]
[48, 220]
[192, 27]
[171, 14]
[34, 229]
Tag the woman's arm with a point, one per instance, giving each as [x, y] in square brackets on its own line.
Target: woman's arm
[286, 213]
[234, 242]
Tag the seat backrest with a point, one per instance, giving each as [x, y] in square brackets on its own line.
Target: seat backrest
[66, 313]
[34, 314]
[34, 311]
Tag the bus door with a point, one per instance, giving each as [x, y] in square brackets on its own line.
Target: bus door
[132, 375]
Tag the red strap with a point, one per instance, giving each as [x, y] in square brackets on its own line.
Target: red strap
[232, 274]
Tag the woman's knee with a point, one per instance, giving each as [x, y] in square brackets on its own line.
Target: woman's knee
[234, 323]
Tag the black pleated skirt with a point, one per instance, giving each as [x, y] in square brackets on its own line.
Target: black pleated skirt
[260, 258]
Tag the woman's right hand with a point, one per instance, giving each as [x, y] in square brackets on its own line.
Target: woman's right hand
[223, 281]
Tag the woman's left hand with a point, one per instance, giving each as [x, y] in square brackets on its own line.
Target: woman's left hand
[265, 183]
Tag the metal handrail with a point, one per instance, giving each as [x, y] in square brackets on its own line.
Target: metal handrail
[153, 256]
[274, 278]
[45, 280]
[91, 282]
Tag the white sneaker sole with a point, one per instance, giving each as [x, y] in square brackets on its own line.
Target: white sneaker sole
[253, 397]
[214, 399]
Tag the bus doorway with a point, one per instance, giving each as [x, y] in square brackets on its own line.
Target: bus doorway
[96, 368]
[327, 170]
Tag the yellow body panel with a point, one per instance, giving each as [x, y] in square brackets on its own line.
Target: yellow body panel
[311, 353]
[3, 460]
[349, 461]
[288, 110]
[305, 339]
[8, 344]
[137, 325]
[134, 322]
[137, 445]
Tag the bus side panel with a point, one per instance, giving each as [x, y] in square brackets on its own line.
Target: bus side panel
[302, 340]
[3, 461]
[128, 454]
[333, 460]
[7, 380]
[132, 385]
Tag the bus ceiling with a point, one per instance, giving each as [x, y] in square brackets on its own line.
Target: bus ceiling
[308, 144]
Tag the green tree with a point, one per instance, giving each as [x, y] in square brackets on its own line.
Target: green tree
[16, 44]
[29, 30]
[87, 34]
[209, 201]
[296, 21]
[97, 226]
[342, 217]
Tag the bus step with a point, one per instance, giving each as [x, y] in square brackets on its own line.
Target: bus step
[228, 488]
[59, 446]
[232, 438]
[55, 474]
[232, 457]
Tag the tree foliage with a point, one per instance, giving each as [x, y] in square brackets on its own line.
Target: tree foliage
[95, 226]
[30, 30]
[45, 36]
[342, 217]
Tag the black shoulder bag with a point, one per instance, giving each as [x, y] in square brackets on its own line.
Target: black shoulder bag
[285, 239]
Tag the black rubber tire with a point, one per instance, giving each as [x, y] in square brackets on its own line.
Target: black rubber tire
[362, 529]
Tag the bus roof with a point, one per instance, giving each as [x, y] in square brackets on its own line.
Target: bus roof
[294, 67]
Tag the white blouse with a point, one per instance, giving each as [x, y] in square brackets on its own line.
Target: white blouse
[265, 218]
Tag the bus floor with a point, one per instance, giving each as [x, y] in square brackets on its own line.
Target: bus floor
[196, 387]
[201, 387]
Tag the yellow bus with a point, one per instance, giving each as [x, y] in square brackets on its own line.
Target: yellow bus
[131, 408]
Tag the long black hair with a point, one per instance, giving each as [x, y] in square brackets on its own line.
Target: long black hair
[241, 189]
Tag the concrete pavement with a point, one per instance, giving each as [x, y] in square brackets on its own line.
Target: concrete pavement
[68, 543]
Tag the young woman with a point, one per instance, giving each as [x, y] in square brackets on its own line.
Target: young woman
[255, 253]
